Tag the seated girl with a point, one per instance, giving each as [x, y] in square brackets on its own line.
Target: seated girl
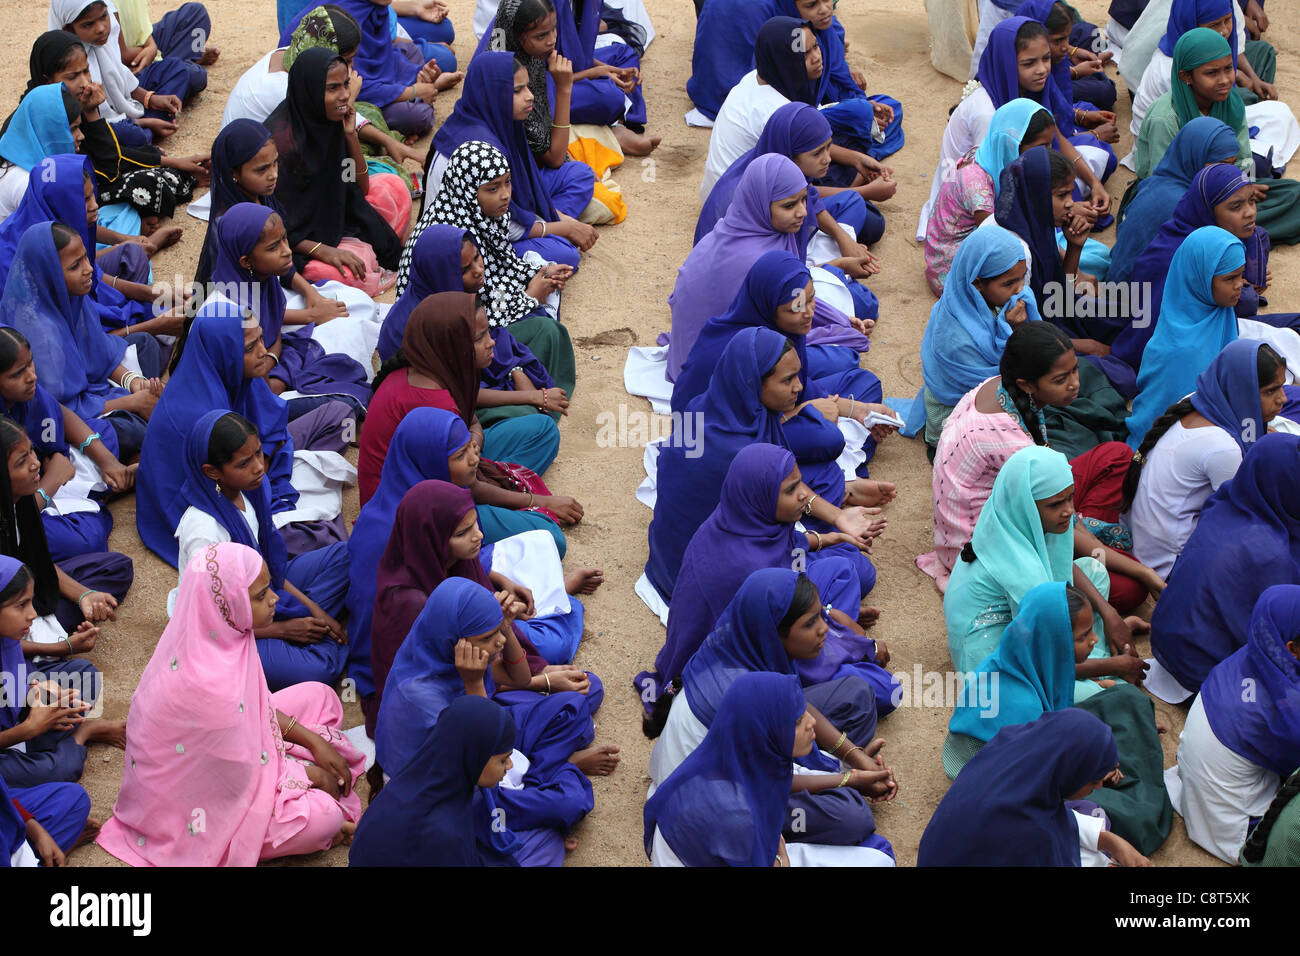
[1196, 446]
[475, 197]
[341, 227]
[179, 38]
[443, 259]
[439, 810]
[1236, 749]
[436, 536]
[428, 24]
[272, 771]
[47, 299]
[545, 202]
[46, 825]
[141, 108]
[754, 389]
[754, 526]
[725, 804]
[142, 183]
[1248, 530]
[1023, 538]
[462, 644]
[767, 213]
[230, 501]
[446, 343]
[1012, 804]
[573, 86]
[78, 466]
[1079, 72]
[998, 419]
[968, 192]
[1272, 840]
[1146, 204]
[46, 123]
[1197, 319]
[225, 366]
[1201, 85]
[44, 729]
[252, 259]
[1017, 63]
[800, 132]
[775, 619]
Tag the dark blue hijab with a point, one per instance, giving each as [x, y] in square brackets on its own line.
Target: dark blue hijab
[725, 804]
[199, 491]
[794, 128]
[1007, 806]
[1187, 15]
[725, 418]
[1265, 727]
[1247, 540]
[1227, 393]
[1000, 76]
[1024, 205]
[432, 813]
[1202, 141]
[435, 267]
[237, 233]
[775, 279]
[780, 62]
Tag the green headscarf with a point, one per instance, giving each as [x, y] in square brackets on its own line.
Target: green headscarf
[316, 28]
[1196, 48]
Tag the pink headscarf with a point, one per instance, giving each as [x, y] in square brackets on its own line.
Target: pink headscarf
[204, 754]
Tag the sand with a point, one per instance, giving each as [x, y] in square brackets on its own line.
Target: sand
[619, 300]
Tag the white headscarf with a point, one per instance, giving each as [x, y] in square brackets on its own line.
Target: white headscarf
[106, 64]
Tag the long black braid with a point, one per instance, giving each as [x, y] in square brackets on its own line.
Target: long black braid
[1257, 842]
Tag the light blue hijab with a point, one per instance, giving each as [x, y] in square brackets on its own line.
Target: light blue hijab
[1006, 131]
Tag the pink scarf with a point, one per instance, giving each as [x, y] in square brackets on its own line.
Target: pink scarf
[204, 756]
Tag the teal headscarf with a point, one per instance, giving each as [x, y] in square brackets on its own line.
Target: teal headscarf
[1009, 540]
[1034, 663]
[1191, 330]
[1001, 143]
[1196, 48]
[39, 127]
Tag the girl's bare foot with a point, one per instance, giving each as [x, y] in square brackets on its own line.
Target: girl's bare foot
[344, 836]
[164, 236]
[584, 580]
[868, 615]
[98, 730]
[210, 55]
[88, 834]
[570, 844]
[598, 760]
[868, 492]
[635, 144]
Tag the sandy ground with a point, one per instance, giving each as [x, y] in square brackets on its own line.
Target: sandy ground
[620, 300]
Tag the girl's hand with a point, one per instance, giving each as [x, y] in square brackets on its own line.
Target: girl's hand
[1077, 228]
[524, 596]
[859, 78]
[579, 233]
[83, 638]
[550, 399]
[863, 326]
[1107, 133]
[1129, 667]
[44, 845]
[332, 627]
[42, 719]
[563, 507]
[1120, 850]
[861, 526]
[1017, 314]
[782, 856]
[91, 96]
[159, 127]
[566, 677]
[511, 609]
[301, 630]
[1154, 583]
[431, 11]
[558, 273]
[58, 470]
[144, 57]
[1085, 283]
[876, 785]
[446, 81]
[429, 72]
[341, 259]
[561, 70]
[321, 309]
[1099, 201]
[165, 104]
[1086, 65]
[471, 663]
[98, 606]
[882, 653]
[541, 286]
[323, 779]
[883, 112]
[878, 189]
[828, 406]
[200, 167]
[328, 759]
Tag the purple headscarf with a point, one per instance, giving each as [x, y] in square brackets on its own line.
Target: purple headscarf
[1227, 393]
[1000, 76]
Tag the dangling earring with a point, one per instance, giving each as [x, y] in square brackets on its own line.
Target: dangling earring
[218, 484]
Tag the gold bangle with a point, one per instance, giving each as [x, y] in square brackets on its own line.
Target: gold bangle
[314, 248]
[531, 498]
[844, 780]
[819, 540]
[112, 280]
[839, 743]
[562, 126]
[288, 730]
[548, 682]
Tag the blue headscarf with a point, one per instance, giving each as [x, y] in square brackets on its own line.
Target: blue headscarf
[1212, 185]
[1000, 76]
[780, 62]
[435, 267]
[963, 341]
[209, 375]
[385, 72]
[39, 127]
[1227, 393]
[1007, 806]
[725, 418]
[199, 491]
[42, 418]
[1034, 664]
[1024, 206]
[237, 143]
[237, 233]
[433, 812]
[1252, 699]
[1202, 141]
[1187, 15]
[1192, 328]
[73, 353]
[1001, 145]
[744, 640]
[485, 112]
[793, 128]
[419, 449]
[725, 804]
[1059, 95]
[13, 664]
[424, 679]
[724, 49]
[1247, 539]
[775, 278]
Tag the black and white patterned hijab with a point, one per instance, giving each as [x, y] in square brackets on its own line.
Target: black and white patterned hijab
[505, 276]
[504, 37]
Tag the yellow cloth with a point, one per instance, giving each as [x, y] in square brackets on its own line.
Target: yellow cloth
[137, 27]
[598, 148]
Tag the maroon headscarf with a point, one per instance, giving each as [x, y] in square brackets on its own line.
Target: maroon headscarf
[439, 342]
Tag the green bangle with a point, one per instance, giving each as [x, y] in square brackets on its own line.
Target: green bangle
[83, 596]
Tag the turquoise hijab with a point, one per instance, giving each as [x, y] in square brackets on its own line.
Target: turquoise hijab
[1006, 130]
[1034, 664]
[1196, 48]
[1192, 329]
